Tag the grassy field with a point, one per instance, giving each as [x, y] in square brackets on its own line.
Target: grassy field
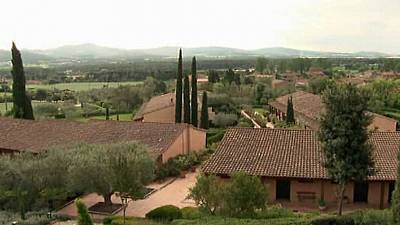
[122, 117]
[81, 86]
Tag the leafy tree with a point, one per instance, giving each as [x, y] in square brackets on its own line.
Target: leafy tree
[41, 94]
[186, 100]
[224, 120]
[194, 106]
[204, 111]
[396, 197]
[261, 64]
[178, 91]
[290, 112]
[22, 104]
[106, 169]
[344, 136]
[83, 213]
[207, 193]
[260, 87]
[244, 195]
[320, 84]
[213, 76]
[17, 188]
[230, 76]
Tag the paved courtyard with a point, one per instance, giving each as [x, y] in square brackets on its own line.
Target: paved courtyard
[170, 192]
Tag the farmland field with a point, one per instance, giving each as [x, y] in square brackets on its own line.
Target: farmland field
[81, 86]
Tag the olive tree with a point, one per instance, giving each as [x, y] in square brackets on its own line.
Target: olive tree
[106, 169]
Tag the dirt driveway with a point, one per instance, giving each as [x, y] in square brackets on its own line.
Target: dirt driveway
[170, 192]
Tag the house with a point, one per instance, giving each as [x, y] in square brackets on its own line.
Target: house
[163, 140]
[275, 83]
[162, 109]
[309, 107]
[290, 164]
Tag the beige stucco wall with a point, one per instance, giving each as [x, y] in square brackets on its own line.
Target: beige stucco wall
[166, 115]
[325, 189]
[189, 140]
[382, 123]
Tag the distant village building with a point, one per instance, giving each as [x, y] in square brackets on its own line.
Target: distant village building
[162, 109]
[309, 107]
[316, 72]
[290, 164]
[163, 140]
[280, 83]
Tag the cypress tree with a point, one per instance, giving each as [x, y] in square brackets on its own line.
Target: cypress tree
[194, 93]
[396, 197]
[186, 100]
[290, 112]
[204, 112]
[178, 92]
[22, 106]
[83, 214]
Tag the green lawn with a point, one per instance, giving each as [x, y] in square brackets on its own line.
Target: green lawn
[122, 117]
[81, 86]
[394, 113]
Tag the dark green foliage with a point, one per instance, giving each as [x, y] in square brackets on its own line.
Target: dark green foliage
[194, 107]
[204, 112]
[371, 217]
[344, 136]
[213, 76]
[396, 197]
[230, 77]
[83, 213]
[333, 220]
[178, 91]
[259, 92]
[22, 104]
[119, 220]
[186, 100]
[275, 212]
[175, 165]
[215, 135]
[235, 221]
[191, 213]
[165, 213]
[107, 113]
[290, 112]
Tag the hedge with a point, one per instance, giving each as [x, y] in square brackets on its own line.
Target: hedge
[165, 213]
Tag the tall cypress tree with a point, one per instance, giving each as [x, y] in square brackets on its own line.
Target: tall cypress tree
[204, 112]
[178, 92]
[186, 99]
[194, 107]
[22, 107]
[290, 112]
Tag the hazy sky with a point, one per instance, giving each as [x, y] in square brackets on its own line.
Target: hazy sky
[330, 25]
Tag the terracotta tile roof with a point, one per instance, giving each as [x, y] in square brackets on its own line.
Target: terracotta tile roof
[308, 107]
[36, 136]
[290, 153]
[156, 103]
[161, 102]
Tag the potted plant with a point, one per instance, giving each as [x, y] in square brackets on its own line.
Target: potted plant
[321, 205]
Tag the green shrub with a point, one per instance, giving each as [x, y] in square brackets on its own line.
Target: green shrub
[190, 213]
[372, 217]
[275, 212]
[333, 220]
[119, 220]
[235, 221]
[83, 213]
[223, 120]
[165, 213]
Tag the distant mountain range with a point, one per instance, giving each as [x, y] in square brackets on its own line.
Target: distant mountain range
[91, 51]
